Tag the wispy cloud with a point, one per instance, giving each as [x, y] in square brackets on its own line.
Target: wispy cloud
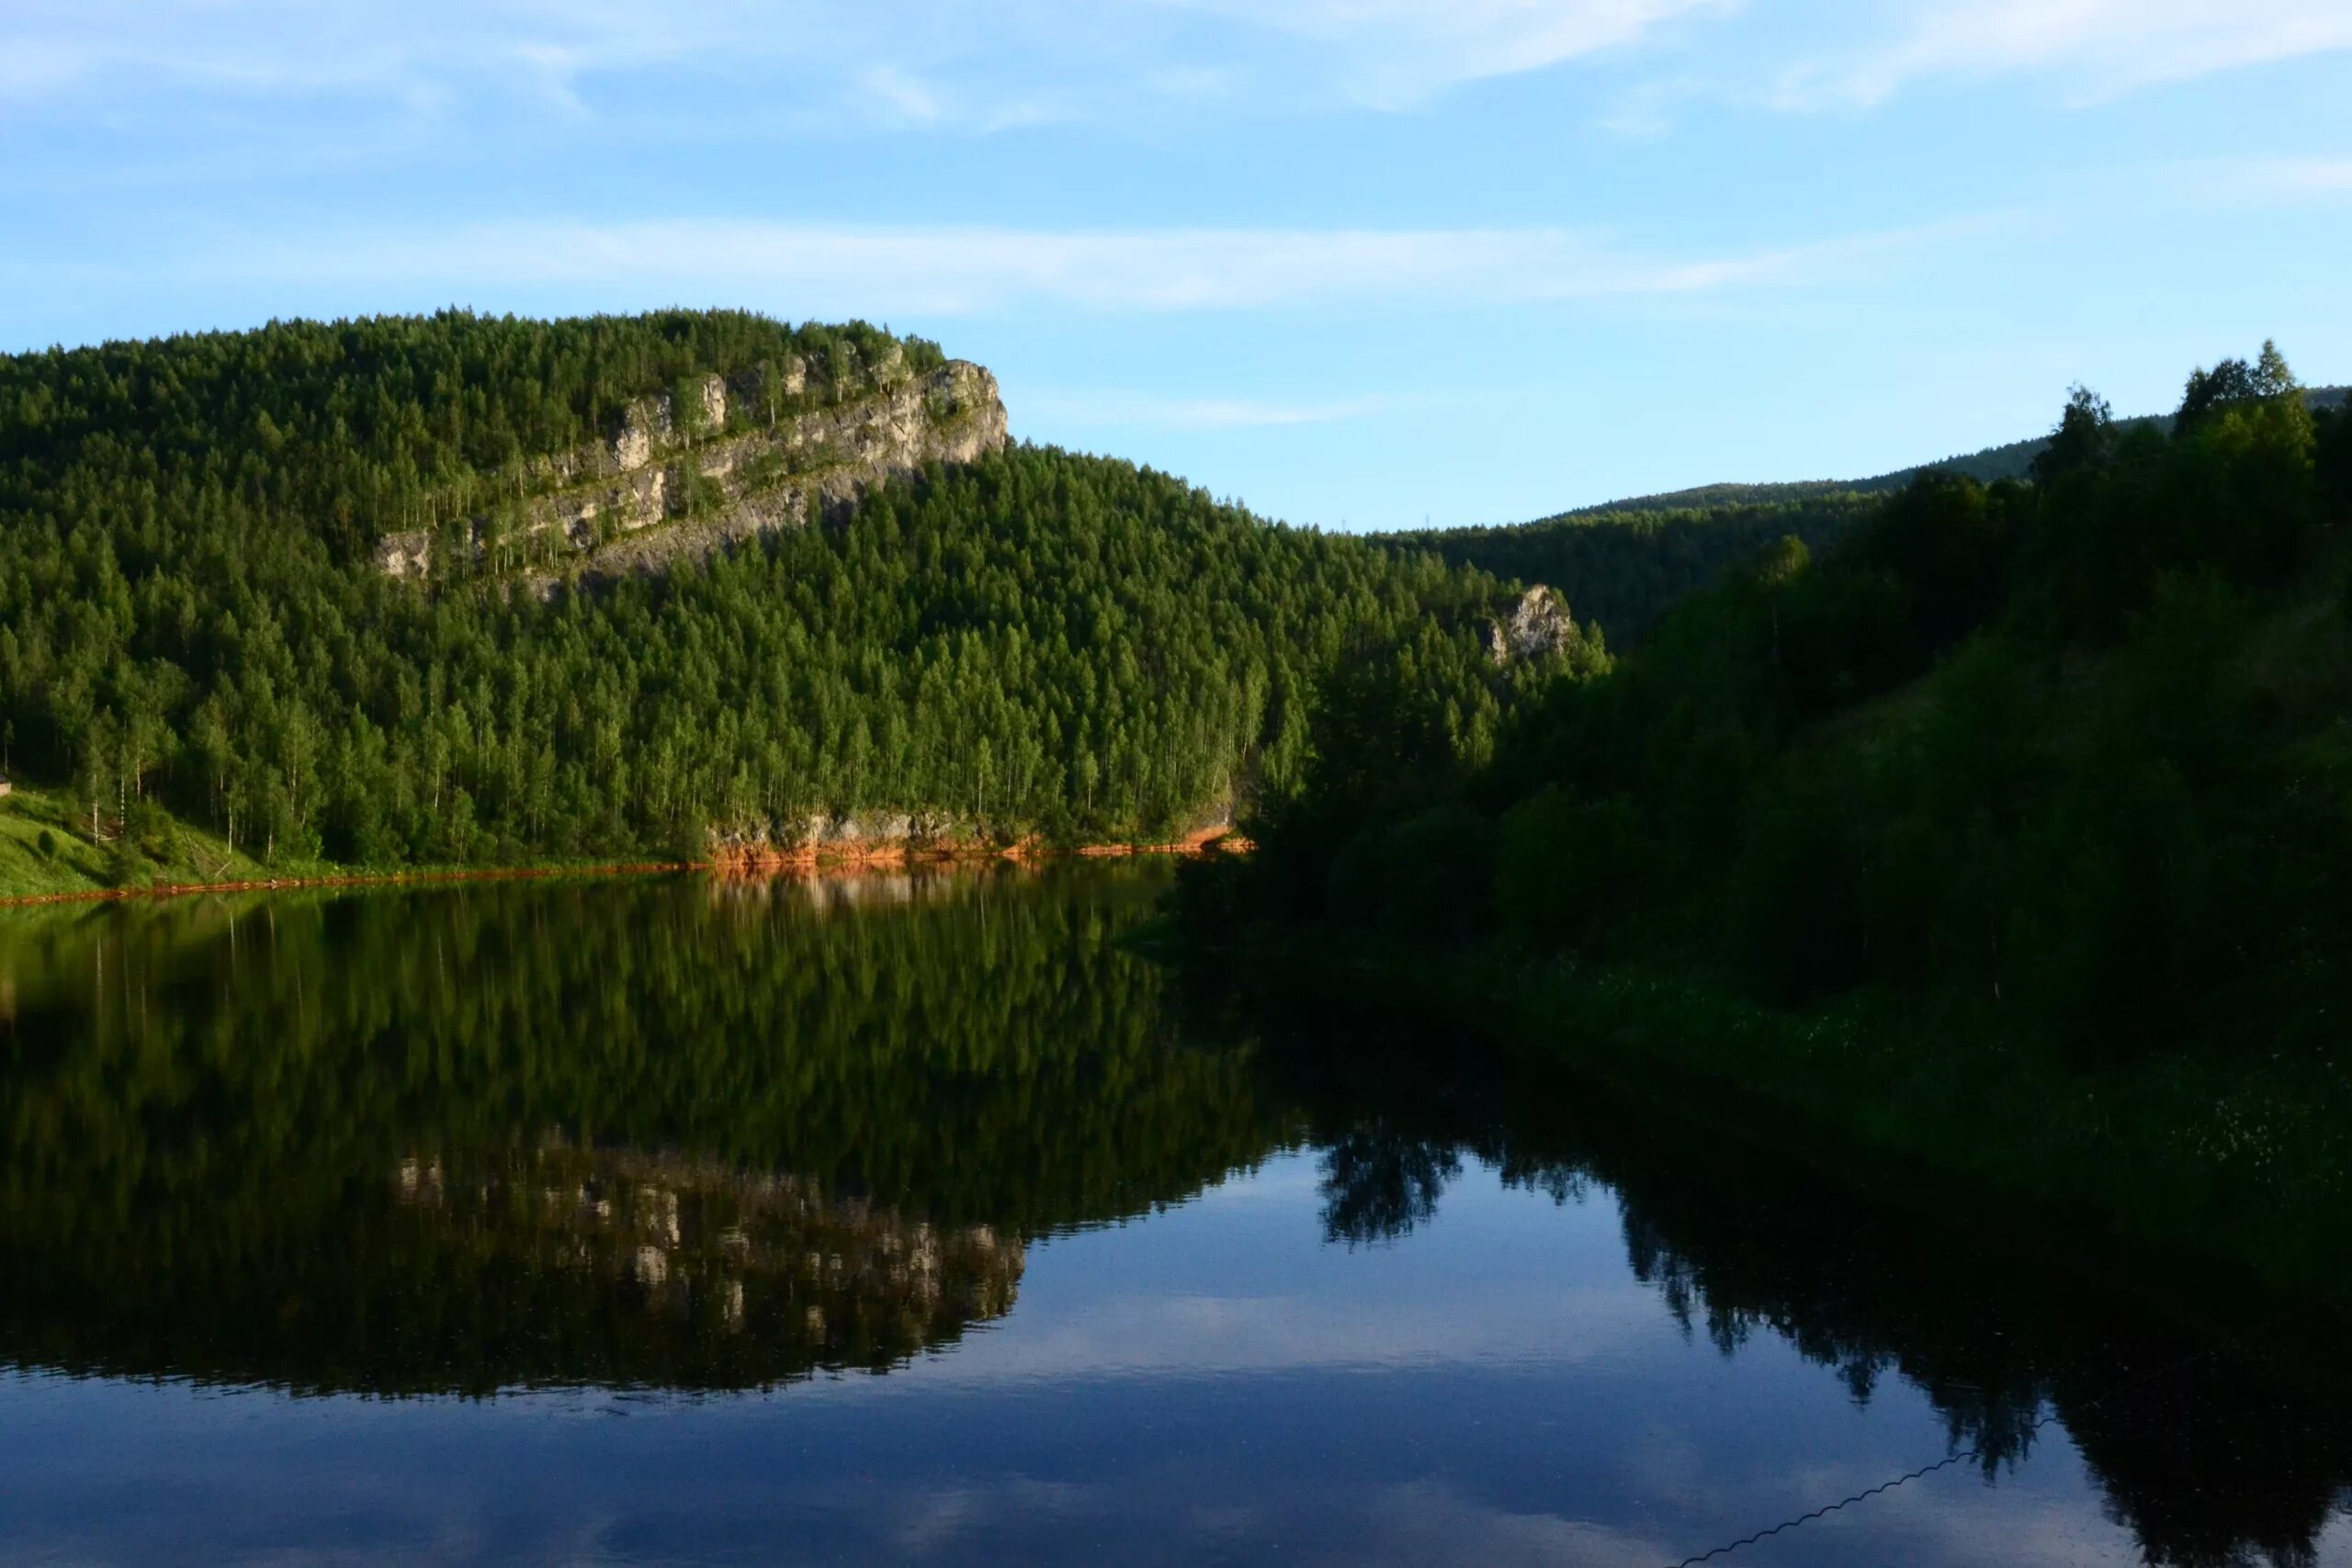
[960, 271]
[1393, 53]
[923, 62]
[297, 45]
[2259, 181]
[2294, 176]
[2104, 47]
[911, 99]
[1117, 409]
[950, 65]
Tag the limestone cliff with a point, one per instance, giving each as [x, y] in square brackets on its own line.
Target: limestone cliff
[745, 458]
[1536, 624]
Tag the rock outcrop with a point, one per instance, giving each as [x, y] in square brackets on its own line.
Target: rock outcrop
[1535, 625]
[660, 488]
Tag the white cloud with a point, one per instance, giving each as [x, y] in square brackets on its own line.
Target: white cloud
[2254, 181]
[2284, 177]
[809, 269]
[911, 98]
[1114, 409]
[147, 66]
[925, 62]
[2105, 46]
[1395, 52]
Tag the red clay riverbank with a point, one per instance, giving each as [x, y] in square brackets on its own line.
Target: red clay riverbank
[292, 883]
[762, 862]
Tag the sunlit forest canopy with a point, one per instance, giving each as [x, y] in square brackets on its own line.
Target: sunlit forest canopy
[346, 430]
[1036, 644]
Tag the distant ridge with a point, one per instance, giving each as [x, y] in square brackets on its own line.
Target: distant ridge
[1623, 563]
[2013, 461]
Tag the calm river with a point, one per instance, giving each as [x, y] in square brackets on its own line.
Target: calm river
[908, 1219]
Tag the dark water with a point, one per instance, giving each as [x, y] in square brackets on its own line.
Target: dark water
[910, 1219]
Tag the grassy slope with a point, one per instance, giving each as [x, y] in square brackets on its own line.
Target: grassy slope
[77, 865]
[191, 857]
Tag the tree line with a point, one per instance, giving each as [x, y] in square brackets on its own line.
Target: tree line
[1039, 644]
[1623, 569]
[2069, 750]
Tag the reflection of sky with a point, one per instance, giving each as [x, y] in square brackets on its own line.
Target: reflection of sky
[1214, 1383]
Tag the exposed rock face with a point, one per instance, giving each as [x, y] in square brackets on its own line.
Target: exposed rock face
[1535, 625]
[405, 555]
[822, 836]
[657, 491]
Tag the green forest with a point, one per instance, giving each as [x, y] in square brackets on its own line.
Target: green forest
[2056, 761]
[1621, 568]
[2077, 742]
[2010, 794]
[193, 637]
[1623, 562]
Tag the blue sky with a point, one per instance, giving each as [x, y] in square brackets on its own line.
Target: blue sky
[1359, 262]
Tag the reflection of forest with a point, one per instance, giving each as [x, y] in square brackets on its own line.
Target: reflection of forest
[306, 1141]
[2239, 1457]
[674, 1134]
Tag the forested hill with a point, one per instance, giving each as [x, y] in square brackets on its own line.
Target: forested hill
[1623, 562]
[203, 619]
[1620, 571]
[2011, 461]
[2076, 749]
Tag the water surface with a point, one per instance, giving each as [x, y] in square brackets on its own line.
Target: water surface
[909, 1219]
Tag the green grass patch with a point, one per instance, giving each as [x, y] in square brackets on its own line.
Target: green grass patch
[47, 850]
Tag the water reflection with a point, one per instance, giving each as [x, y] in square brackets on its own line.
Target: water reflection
[2217, 1427]
[698, 1135]
[610, 1264]
[677, 1136]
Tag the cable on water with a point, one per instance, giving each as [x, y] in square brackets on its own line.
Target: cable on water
[1826, 1509]
[1965, 1456]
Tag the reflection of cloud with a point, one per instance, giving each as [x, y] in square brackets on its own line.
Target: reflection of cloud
[932, 1519]
[767, 1480]
[1434, 1521]
[1211, 1334]
[1933, 1523]
[942, 1524]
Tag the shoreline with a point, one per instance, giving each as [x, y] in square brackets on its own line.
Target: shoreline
[763, 860]
[2175, 1160]
[802, 863]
